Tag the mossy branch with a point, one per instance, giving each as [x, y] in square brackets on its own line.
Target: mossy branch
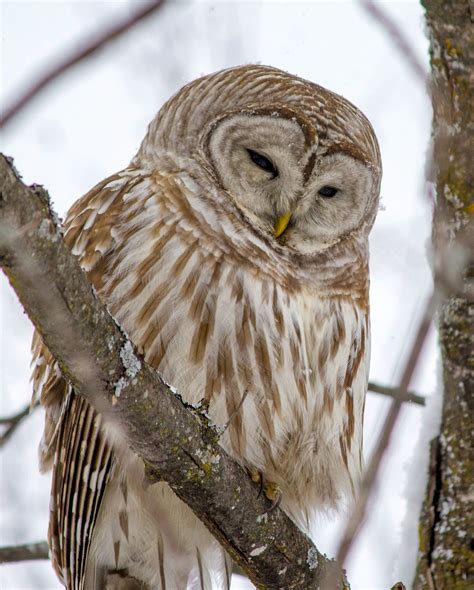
[446, 558]
[176, 442]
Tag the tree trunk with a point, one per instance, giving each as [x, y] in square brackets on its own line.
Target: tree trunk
[446, 559]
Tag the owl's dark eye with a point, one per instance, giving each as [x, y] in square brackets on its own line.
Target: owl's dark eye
[327, 191]
[263, 163]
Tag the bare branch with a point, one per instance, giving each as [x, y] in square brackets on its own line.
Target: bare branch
[9, 424]
[176, 442]
[409, 396]
[356, 519]
[398, 38]
[87, 48]
[27, 552]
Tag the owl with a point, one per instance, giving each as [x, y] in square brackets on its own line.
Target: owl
[234, 252]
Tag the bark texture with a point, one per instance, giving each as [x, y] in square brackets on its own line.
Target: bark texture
[175, 440]
[446, 559]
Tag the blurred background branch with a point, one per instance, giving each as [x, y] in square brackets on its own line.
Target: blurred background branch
[394, 392]
[356, 519]
[9, 424]
[88, 47]
[358, 512]
[26, 552]
[397, 36]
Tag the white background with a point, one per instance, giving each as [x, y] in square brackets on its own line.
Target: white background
[90, 123]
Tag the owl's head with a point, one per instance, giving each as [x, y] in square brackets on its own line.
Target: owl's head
[299, 163]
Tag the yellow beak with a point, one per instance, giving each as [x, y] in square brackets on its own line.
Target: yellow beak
[281, 224]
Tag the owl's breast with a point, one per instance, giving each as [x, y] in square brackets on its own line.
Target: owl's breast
[284, 368]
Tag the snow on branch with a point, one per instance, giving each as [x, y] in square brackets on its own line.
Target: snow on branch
[176, 442]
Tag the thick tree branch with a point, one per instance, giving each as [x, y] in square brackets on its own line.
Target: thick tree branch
[27, 552]
[176, 442]
[86, 49]
[446, 557]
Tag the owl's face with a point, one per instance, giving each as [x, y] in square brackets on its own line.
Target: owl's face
[304, 198]
[300, 163]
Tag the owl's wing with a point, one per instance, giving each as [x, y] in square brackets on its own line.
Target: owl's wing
[73, 443]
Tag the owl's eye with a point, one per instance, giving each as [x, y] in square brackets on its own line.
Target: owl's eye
[263, 163]
[327, 191]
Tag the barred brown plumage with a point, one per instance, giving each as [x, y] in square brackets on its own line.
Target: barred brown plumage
[270, 328]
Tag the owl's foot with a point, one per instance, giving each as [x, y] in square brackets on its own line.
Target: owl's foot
[270, 489]
[273, 493]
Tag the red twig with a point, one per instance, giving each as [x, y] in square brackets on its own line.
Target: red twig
[354, 523]
[87, 48]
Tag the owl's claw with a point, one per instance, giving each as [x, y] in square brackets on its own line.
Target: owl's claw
[270, 489]
[256, 477]
[273, 493]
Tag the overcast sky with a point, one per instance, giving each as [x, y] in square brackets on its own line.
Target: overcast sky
[90, 124]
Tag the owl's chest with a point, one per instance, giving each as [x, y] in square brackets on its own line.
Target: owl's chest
[213, 326]
[286, 370]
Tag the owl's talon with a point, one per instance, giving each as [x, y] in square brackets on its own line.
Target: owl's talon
[275, 503]
[270, 489]
[256, 477]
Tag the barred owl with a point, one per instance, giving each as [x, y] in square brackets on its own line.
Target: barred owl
[234, 251]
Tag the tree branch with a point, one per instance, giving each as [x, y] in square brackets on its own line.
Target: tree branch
[446, 557]
[27, 552]
[394, 392]
[87, 48]
[176, 442]
[9, 424]
[397, 36]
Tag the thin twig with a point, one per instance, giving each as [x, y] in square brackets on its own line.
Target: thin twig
[86, 49]
[394, 392]
[9, 424]
[398, 37]
[356, 519]
[26, 552]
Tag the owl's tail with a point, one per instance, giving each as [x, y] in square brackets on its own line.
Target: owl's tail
[200, 579]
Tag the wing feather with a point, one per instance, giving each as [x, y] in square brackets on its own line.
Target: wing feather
[73, 443]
